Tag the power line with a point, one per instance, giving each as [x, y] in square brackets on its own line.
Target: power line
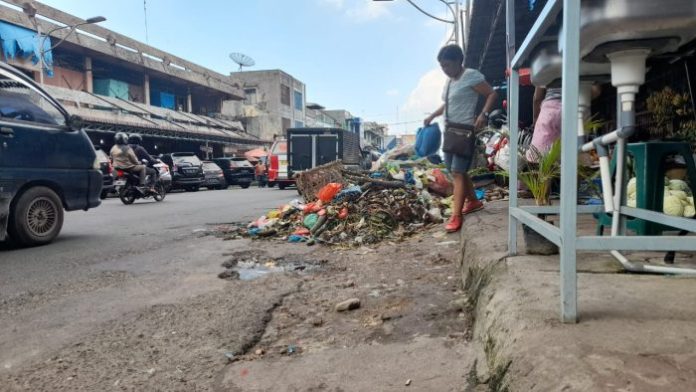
[429, 14]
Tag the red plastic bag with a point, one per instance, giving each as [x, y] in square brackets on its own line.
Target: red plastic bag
[329, 191]
[312, 207]
[442, 184]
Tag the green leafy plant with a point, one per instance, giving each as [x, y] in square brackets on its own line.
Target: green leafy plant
[537, 177]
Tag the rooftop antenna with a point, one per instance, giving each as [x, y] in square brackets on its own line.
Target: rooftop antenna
[242, 59]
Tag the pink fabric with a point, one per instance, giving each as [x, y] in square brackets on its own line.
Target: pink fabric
[548, 127]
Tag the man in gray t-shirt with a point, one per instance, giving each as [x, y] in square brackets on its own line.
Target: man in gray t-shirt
[461, 96]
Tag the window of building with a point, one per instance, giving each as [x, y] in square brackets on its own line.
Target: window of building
[299, 124]
[298, 100]
[284, 94]
[250, 94]
[286, 124]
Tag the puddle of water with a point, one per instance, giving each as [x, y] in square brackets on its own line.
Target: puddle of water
[252, 269]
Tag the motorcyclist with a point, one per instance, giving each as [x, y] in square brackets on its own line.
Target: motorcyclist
[135, 140]
[123, 157]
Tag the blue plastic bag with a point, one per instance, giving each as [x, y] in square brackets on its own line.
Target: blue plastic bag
[428, 140]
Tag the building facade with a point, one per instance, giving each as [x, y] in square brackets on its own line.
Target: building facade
[374, 134]
[275, 101]
[116, 83]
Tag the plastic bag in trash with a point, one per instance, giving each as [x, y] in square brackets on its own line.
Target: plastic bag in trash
[350, 193]
[442, 185]
[327, 193]
[310, 220]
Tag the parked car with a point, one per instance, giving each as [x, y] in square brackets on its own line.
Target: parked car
[214, 177]
[278, 165]
[186, 170]
[238, 171]
[47, 162]
[107, 170]
[165, 176]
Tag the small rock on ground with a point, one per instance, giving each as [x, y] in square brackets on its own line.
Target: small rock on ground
[348, 304]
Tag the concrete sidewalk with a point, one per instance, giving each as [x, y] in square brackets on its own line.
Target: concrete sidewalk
[635, 333]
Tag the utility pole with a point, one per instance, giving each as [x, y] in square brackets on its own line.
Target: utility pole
[458, 33]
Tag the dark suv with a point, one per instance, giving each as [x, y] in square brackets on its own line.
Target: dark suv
[47, 162]
[186, 169]
[238, 171]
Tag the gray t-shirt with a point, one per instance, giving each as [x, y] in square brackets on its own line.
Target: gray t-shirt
[463, 98]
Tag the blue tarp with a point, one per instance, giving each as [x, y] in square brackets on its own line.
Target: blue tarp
[163, 100]
[167, 101]
[22, 42]
[111, 88]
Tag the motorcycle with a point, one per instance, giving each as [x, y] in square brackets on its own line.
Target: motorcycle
[127, 187]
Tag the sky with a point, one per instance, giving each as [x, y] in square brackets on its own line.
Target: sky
[376, 59]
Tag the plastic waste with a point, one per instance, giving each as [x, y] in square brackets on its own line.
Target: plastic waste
[327, 193]
[435, 215]
[310, 220]
[441, 184]
[254, 231]
[408, 177]
[273, 214]
[343, 214]
[428, 140]
[350, 193]
[301, 231]
[298, 204]
[312, 207]
[294, 238]
[399, 176]
[480, 194]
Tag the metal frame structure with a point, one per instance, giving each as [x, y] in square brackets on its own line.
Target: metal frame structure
[565, 235]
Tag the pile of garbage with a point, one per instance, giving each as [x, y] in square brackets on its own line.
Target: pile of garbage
[402, 194]
[363, 208]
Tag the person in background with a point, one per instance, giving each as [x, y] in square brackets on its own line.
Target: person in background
[461, 94]
[546, 111]
[123, 157]
[547, 118]
[260, 172]
[135, 140]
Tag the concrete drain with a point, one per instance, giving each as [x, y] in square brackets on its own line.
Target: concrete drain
[254, 266]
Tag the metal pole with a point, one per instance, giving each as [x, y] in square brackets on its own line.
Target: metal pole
[42, 42]
[457, 24]
[569, 160]
[513, 109]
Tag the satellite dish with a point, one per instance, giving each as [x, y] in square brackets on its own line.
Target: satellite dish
[242, 59]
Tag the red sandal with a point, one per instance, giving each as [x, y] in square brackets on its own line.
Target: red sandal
[454, 224]
[472, 206]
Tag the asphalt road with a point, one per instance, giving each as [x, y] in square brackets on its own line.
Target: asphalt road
[112, 260]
